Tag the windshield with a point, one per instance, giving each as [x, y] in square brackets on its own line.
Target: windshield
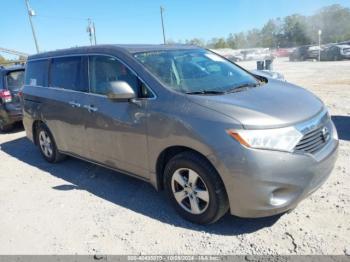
[191, 71]
[15, 80]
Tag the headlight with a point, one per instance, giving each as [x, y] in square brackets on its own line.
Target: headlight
[282, 139]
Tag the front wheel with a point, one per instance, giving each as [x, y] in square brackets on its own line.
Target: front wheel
[195, 188]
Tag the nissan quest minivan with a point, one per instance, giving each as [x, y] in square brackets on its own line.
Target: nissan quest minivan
[214, 136]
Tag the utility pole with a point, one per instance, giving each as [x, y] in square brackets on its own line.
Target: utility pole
[161, 16]
[30, 14]
[319, 44]
[91, 31]
[93, 26]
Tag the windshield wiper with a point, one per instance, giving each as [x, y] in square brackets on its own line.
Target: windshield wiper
[242, 87]
[205, 92]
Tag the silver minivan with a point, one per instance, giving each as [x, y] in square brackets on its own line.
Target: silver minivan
[213, 135]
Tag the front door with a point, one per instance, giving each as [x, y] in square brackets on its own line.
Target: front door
[116, 131]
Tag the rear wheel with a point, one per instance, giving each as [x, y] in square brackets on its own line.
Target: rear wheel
[47, 145]
[195, 188]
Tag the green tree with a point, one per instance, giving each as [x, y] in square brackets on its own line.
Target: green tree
[334, 21]
[269, 34]
[253, 38]
[295, 31]
[217, 43]
[196, 41]
[2, 60]
[238, 40]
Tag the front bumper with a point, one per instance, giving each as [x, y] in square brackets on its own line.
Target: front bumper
[262, 183]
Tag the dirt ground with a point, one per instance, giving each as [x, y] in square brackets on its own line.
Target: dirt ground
[78, 208]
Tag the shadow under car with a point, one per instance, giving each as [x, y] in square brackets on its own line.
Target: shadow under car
[342, 123]
[125, 191]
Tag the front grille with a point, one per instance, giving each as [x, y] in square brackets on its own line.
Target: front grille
[313, 141]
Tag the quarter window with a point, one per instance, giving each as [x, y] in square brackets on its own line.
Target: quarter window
[36, 73]
[67, 73]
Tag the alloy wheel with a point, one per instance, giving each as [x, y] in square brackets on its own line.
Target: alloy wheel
[190, 191]
[45, 144]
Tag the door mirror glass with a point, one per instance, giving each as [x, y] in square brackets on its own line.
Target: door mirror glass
[120, 90]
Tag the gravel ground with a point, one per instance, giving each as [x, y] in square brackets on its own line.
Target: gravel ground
[78, 208]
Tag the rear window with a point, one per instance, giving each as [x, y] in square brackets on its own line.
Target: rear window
[36, 73]
[15, 79]
[67, 73]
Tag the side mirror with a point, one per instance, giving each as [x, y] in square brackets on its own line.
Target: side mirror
[120, 90]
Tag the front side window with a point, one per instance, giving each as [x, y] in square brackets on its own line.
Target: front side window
[103, 70]
[15, 80]
[67, 73]
[196, 70]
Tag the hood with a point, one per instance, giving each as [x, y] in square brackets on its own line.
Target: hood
[275, 104]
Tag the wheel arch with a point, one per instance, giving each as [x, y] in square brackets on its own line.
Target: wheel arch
[35, 126]
[169, 153]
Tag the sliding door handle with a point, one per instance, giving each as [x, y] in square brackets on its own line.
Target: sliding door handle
[74, 104]
[90, 108]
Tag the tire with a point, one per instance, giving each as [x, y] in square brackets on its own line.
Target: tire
[203, 201]
[47, 145]
[5, 128]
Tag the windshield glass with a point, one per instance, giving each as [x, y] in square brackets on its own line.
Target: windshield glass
[196, 70]
[15, 80]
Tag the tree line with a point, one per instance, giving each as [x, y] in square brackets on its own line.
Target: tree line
[290, 31]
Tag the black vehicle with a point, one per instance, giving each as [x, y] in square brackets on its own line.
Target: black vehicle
[303, 53]
[335, 53]
[299, 54]
[11, 81]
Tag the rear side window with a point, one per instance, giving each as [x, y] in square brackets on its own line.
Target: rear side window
[15, 80]
[36, 73]
[68, 73]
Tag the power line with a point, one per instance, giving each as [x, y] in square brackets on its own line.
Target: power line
[13, 52]
[62, 17]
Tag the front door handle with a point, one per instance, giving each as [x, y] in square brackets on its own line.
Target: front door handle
[74, 104]
[90, 108]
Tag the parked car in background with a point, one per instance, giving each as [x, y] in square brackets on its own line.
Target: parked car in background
[233, 55]
[216, 137]
[299, 54]
[345, 43]
[235, 58]
[256, 54]
[335, 53]
[303, 53]
[11, 81]
[314, 52]
[282, 52]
